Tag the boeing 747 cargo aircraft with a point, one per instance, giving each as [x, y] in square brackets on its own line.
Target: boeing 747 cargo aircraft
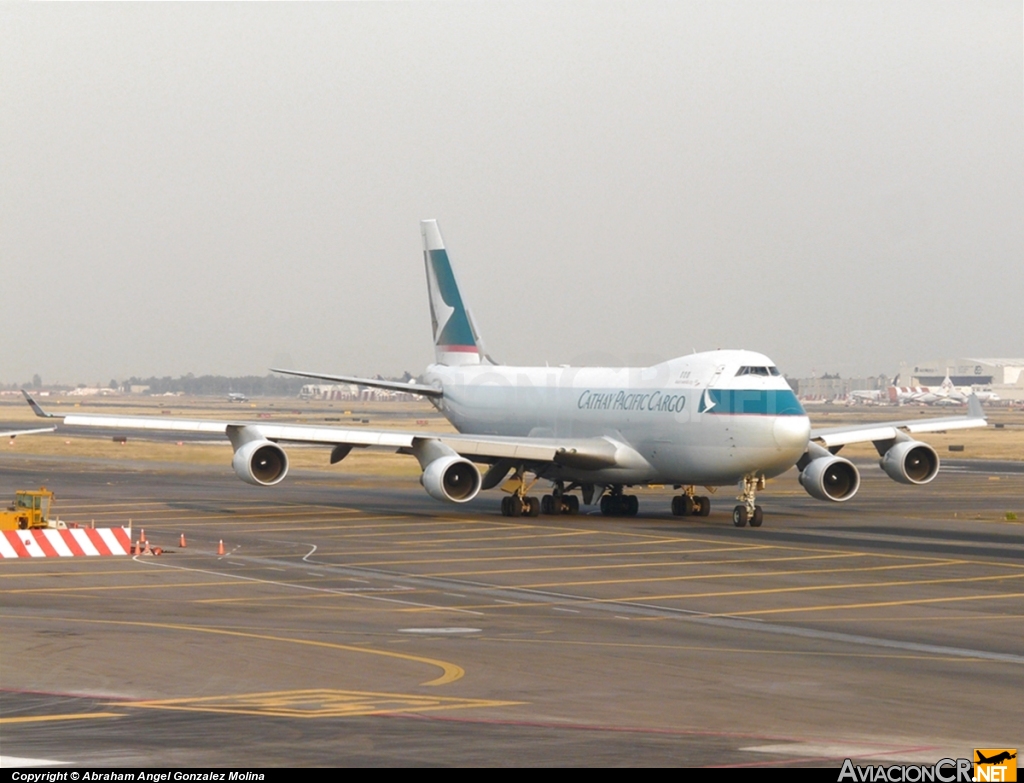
[711, 419]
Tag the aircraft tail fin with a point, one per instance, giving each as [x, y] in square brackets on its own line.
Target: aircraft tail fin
[974, 409]
[456, 341]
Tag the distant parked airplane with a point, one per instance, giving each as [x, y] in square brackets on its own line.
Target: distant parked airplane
[237, 397]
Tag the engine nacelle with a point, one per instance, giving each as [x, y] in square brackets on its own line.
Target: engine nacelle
[260, 462]
[830, 478]
[452, 478]
[911, 462]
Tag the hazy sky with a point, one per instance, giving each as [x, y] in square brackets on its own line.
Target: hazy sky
[217, 188]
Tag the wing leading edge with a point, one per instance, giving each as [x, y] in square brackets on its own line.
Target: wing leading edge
[590, 453]
[876, 433]
[16, 433]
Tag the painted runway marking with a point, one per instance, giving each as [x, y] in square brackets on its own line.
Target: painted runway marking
[745, 574]
[320, 703]
[529, 554]
[17, 761]
[754, 651]
[439, 630]
[355, 592]
[450, 671]
[876, 604]
[813, 588]
[921, 754]
[498, 547]
[69, 716]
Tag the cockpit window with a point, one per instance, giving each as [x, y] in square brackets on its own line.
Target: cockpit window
[766, 371]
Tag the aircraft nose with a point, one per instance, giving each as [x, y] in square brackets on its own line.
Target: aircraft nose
[792, 432]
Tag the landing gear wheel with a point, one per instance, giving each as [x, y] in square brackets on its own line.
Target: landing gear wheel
[684, 506]
[607, 507]
[547, 505]
[515, 506]
[705, 506]
[506, 510]
[752, 513]
[632, 505]
[531, 507]
[573, 505]
[739, 516]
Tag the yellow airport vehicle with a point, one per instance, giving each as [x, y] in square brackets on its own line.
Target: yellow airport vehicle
[31, 511]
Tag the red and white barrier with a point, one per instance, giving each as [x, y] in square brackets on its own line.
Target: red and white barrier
[79, 542]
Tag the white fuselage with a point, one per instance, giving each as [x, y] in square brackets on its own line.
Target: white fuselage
[700, 419]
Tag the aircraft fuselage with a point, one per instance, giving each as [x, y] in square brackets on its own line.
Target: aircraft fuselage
[698, 419]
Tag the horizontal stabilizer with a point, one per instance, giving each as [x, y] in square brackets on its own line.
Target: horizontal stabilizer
[411, 388]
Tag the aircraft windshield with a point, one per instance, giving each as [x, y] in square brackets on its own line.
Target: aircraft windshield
[766, 371]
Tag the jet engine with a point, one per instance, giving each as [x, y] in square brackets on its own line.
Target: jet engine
[830, 478]
[910, 462]
[451, 478]
[260, 462]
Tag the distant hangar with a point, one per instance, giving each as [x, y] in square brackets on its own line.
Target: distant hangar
[964, 372]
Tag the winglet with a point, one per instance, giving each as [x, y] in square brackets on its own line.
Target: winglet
[974, 409]
[38, 408]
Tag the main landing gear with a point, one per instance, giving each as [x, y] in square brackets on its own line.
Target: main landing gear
[516, 506]
[748, 512]
[519, 504]
[690, 504]
[616, 504]
[558, 503]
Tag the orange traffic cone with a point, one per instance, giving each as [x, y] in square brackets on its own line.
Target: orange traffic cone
[182, 544]
[220, 547]
[137, 549]
[147, 551]
[142, 535]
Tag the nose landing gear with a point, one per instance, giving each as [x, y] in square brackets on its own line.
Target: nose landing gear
[748, 511]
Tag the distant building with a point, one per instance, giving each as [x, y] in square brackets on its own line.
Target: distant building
[963, 372]
[329, 391]
[351, 391]
[91, 391]
[831, 387]
[1003, 376]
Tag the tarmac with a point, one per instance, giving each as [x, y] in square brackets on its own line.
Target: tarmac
[354, 621]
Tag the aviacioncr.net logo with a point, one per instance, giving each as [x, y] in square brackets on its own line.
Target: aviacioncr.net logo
[942, 771]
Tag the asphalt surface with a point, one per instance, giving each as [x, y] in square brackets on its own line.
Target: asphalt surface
[354, 621]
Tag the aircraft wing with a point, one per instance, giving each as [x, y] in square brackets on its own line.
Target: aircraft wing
[841, 436]
[573, 452]
[15, 433]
